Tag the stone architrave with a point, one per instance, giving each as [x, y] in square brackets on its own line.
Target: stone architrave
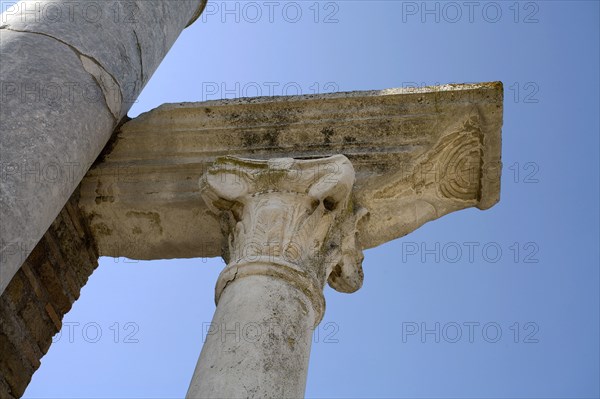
[418, 154]
[288, 227]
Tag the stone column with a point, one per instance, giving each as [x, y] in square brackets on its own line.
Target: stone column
[70, 71]
[289, 226]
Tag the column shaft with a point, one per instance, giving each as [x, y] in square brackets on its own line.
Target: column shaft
[69, 73]
[258, 344]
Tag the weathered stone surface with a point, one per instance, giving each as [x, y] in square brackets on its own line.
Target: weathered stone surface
[259, 343]
[418, 154]
[285, 231]
[119, 43]
[40, 294]
[296, 213]
[69, 73]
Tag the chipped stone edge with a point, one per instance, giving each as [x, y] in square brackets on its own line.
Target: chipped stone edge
[494, 86]
[198, 12]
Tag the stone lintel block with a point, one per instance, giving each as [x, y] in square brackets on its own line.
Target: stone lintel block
[418, 154]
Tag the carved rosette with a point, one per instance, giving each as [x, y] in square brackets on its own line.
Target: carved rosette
[287, 218]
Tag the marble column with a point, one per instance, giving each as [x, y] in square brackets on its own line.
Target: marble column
[289, 226]
[69, 73]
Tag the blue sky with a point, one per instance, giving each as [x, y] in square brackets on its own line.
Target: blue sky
[530, 291]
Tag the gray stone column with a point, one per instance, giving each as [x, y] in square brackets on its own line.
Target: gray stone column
[289, 226]
[69, 72]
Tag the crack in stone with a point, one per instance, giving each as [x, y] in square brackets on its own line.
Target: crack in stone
[230, 280]
[106, 83]
[139, 48]
[80, 55]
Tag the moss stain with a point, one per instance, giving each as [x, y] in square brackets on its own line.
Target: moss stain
[327, 133]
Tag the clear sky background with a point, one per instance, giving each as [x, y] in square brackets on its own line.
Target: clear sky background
[533, 276]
